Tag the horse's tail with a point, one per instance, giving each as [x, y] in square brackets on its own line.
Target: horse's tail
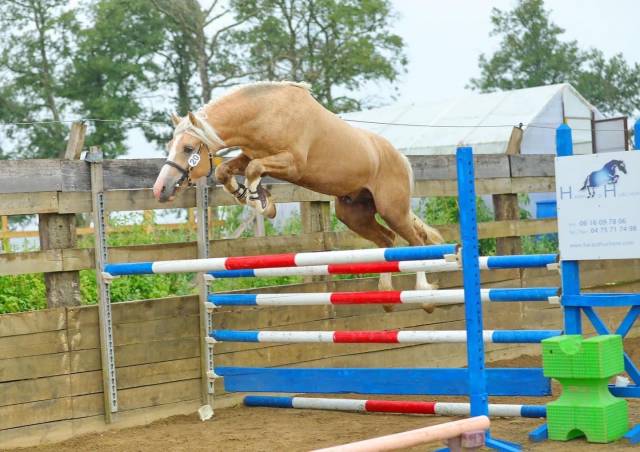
[586, 184]
[428, 234]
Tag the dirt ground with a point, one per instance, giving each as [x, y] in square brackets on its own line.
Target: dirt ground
[272, 429]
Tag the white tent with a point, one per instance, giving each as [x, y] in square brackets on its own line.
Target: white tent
[485, 121]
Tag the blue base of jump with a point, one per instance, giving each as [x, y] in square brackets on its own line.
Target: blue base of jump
[633, 435]
[502, 445]
[392, 381]
[626, 391]
[540, 434]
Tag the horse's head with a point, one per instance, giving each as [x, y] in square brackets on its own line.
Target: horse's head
[613, 165]
[621, 166]
[191, 155]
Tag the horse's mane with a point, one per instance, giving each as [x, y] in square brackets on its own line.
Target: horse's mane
[261, 84]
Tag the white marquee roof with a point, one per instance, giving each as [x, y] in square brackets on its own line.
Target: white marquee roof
[485, 121]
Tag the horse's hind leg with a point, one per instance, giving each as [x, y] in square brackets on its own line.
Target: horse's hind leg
[359, 216]
[396, 212]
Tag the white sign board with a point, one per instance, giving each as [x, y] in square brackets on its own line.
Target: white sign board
[598, 198]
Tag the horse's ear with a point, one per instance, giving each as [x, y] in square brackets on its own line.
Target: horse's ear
[175, 119]
[193, 119]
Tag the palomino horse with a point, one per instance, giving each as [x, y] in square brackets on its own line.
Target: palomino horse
[285, 133]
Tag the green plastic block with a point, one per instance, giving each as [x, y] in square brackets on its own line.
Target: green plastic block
[573, 357]
[586, 407]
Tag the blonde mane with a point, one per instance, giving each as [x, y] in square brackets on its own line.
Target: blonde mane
[265, 83]
[206, 133]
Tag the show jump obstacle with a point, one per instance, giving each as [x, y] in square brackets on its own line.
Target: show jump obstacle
[475, 381]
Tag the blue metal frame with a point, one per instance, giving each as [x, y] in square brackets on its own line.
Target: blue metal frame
[478, 396]
[573, 303]
[478, 382]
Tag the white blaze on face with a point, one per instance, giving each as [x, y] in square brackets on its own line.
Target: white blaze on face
[168, 175]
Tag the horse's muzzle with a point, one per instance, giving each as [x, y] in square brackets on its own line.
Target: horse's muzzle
[164, 190]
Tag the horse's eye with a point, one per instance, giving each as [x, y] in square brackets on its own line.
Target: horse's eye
[188, 149]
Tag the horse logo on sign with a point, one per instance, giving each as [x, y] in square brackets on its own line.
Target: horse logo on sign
[608, 174]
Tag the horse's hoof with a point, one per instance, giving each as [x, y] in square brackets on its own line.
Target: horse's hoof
[388, 308]
[270, 211]
[429, 308]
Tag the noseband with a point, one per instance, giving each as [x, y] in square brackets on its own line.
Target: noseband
[186, 172]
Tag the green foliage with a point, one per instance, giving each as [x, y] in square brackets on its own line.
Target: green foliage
[139, 287]
[445, 210]
[22, 293]
[233, 217]
[336, 45]
[545, 244]
[532, 53]
[223, 285]
[293, 225]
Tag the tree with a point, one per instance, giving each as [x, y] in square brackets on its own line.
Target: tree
[336, 45]
[201, 54]
[207, 34]
[532, 53]
[36, 48]
[114, 67]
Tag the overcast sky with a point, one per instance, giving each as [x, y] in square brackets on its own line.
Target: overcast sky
[444, 39]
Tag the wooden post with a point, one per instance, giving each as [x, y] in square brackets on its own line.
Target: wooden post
[6, 243]
[506, 208]
[191, 218]
[315, 216]
[148, 221]
[58, 231]
[259, 229]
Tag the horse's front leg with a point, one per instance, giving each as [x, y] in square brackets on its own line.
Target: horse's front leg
[282, 165]
[226, 172]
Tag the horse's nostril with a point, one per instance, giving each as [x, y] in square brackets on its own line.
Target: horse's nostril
[164, 187]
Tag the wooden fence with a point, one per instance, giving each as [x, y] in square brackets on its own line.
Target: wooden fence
[59, 187]
[50, 378]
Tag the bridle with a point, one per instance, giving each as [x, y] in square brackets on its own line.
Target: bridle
[186, 172]
[208, 138]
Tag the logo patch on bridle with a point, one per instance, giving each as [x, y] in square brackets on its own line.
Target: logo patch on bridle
[194, 160]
